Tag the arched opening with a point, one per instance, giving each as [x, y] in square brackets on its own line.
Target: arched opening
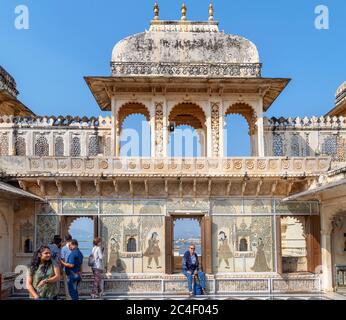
[187, 137]
[239, 135]
[28, 246]
[82, 229]
[131, 245]
[243, 245]
[134, 135]
[293, 244]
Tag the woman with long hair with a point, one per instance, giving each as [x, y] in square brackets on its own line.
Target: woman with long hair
[43, 275]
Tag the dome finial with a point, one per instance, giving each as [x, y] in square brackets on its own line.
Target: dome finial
[211, 12]
[156, 11]
[183, 12]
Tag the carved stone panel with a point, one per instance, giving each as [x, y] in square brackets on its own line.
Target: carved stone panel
[215, 127]
[159, 129]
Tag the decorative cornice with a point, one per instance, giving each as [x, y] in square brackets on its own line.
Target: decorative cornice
[162, 167]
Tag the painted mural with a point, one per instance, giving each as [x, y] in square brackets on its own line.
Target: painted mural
[135, 243]
[243, 244]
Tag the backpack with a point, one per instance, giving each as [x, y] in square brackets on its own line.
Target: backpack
[197, 289]
[91, 260]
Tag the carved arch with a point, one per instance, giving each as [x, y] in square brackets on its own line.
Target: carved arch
[245, 110]
[131, 108]
[188, 113]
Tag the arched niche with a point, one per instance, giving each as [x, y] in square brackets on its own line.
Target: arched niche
[134, 131]
[237, 130]
[189, 123]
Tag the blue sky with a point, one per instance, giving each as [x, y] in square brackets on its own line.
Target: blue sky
[71, 39]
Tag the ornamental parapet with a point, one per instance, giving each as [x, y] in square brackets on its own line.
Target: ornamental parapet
[317, 123]
[224, 70]
[55, 121]
[156, 167]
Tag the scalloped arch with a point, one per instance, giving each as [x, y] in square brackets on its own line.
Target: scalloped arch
[246, 111]
[132, 108]
[188, 113]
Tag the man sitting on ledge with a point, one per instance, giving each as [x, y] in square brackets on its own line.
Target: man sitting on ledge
[190, 266]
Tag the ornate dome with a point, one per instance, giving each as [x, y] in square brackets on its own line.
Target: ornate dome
[183, 48]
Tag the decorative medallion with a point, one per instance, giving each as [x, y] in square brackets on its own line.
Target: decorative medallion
[132, 165]
[227, 165]
[261, 164]
[160, 165]
[76, 164]
[89, 164]
[250, 164]
[146, 165]
[285, 164]
[62, 164]
[104, 164]
[35, 164]
[238, 165]
[273, 164]
[200, 166]
[298, 165]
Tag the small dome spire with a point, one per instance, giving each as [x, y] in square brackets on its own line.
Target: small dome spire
[183, 12]
[211, 12]
[156, 11]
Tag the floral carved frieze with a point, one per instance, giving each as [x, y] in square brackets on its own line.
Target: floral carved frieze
[159, 129]
[186, 70]
[169, 166]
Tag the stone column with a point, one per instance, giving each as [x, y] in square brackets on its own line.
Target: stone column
[115, 132]
[326, 250]
[260, 136]
[209, 131]
[222, 131]
[165, 129]
[152, 124]
[11, 142]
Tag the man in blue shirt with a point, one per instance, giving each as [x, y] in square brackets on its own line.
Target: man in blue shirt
[65, 252]
[190, 266]
[73, 269]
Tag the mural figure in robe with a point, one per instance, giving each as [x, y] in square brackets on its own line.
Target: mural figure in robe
[224, 250]
[153, 251]
[260, 264]
[115, 264]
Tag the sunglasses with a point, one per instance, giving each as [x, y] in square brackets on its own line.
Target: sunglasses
[192, 248]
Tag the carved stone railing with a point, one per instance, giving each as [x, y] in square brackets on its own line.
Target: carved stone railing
[53, 121]
[227, 70]
[315, 136]
[8, 83]
[55, 136]
[318, 123]
[199, 167]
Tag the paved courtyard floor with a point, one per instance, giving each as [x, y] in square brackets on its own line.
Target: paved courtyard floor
[322, 296]
[317, 296]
